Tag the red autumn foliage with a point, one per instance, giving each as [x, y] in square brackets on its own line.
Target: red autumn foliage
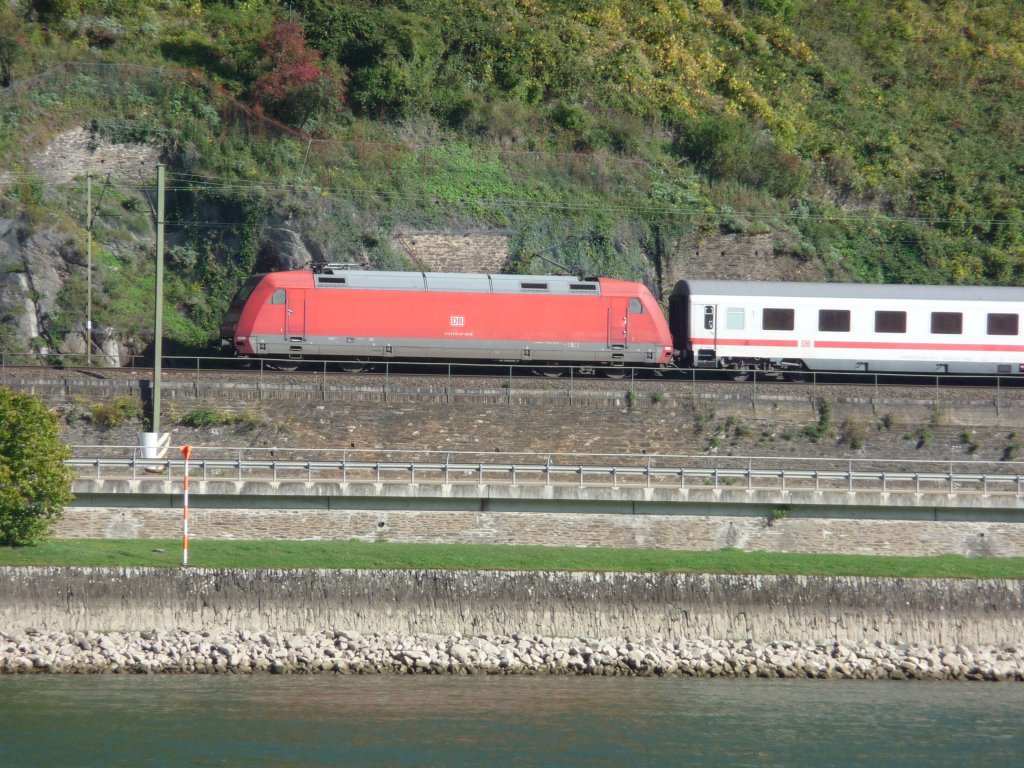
[296, 84]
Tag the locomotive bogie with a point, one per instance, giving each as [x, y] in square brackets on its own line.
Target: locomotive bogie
[845, 327]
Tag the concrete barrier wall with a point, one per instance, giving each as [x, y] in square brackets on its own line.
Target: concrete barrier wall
[673, 606]
[694, 532]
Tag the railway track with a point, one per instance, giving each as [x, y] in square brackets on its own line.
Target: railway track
[948, 390]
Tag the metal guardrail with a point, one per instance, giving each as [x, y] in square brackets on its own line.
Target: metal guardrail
[561, 473]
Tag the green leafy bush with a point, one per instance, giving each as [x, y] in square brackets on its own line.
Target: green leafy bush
[115, 412]
[35, 485]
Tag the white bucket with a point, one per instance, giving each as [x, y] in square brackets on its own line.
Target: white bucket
[154, 446]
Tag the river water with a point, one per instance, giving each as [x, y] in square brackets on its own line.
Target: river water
[328, 720]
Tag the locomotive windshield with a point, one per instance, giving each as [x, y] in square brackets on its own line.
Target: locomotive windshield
[243, 294]
[227, 327]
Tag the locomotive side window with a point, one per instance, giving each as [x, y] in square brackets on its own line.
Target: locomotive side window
[1000, 324]
[947, 322]
[890, 322]
[735, 319]
[776, 319]
[278, 297]
[635, 307]
[835, 320]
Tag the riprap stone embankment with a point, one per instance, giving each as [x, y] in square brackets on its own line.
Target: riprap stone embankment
[200, 620]
[348, 652]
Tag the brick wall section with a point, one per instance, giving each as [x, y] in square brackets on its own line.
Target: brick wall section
[446, 252]
[664, 418]
[77, 151]
[733, 257]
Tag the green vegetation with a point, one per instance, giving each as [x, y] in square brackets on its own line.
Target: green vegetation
[853, 434]
[879, 138]
[35, 486]
[818, 431]
[115, 412]
[970, 441]
[212, 417]
[363, 555]
[779, 513]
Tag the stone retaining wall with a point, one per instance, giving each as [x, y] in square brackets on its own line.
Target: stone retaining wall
[759, 609]
[659, 417]
[689, 532]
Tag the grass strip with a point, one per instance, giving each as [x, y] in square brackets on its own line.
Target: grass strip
[380, 555]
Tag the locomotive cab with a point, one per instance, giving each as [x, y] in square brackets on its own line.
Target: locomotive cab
[229, 326]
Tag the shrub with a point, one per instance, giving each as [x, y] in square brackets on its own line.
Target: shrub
[815, 432]
[970, 441]
[209, 417]
[778, 513]
[206, 417]
[854, 434]
[35, 485]
[115, 412]
[296, 85]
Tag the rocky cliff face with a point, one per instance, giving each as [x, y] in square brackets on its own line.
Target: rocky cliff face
[34, 267]
[41, 253]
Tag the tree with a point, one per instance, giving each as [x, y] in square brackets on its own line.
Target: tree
[35, 485]
[296, 84]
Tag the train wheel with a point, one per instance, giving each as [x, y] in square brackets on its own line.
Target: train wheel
[550, 373]
[741, 376]
[614, 373]
[799, 377]
[354, 366]
[282, 365]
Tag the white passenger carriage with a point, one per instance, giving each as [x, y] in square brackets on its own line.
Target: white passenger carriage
[848, 327]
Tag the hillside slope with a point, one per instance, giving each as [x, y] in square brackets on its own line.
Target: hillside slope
[877, 140]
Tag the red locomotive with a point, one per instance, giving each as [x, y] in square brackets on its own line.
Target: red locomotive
[359, 315]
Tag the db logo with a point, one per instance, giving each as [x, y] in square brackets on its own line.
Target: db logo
[458, 321]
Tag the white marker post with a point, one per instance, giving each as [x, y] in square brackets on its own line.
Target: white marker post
[186, 451]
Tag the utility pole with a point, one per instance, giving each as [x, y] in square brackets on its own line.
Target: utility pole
[158, 321]
[88, 268]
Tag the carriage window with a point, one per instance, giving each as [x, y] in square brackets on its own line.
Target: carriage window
[635, 307]
[734, 319]
[837, 320]
[774, 319]
[278, 297]
[947, 322]
[890, 322]
[1002, 325]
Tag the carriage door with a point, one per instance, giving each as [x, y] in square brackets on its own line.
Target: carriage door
[707, 337]
[618, 323]
[295, 315]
